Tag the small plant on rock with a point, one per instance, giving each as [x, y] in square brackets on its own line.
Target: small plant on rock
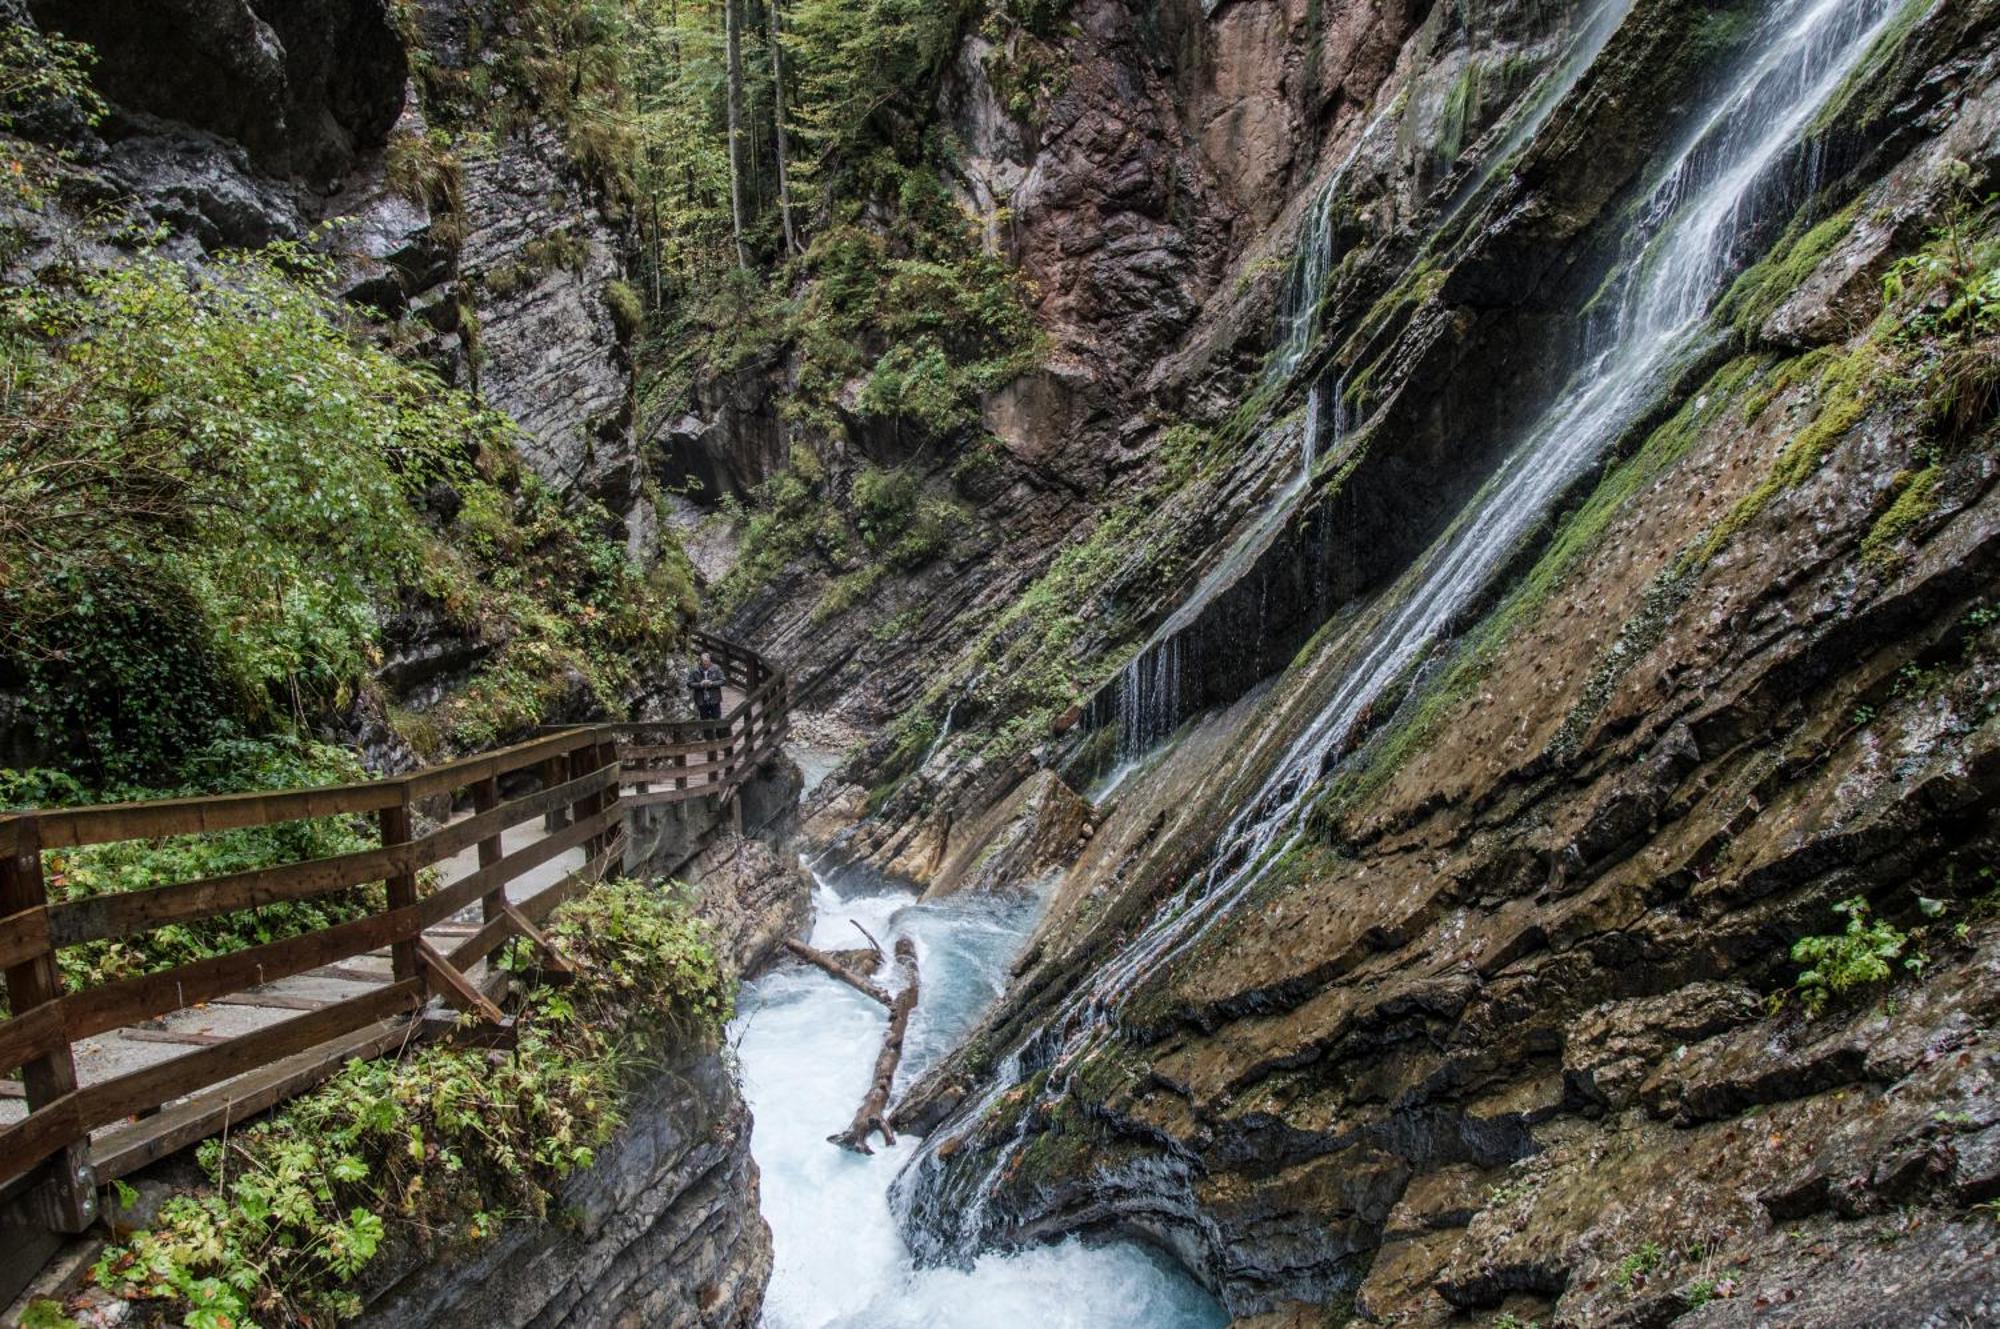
[1861, 956]
[1632, 1270]
[1711, 1287]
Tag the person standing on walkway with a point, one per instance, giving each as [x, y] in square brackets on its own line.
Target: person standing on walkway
[705, 682]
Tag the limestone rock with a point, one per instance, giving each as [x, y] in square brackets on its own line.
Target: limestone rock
[1608, 1052]
[753, 896]
[1034, 832]
[540, 259]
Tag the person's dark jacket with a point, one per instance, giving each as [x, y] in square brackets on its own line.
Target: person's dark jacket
[706, 687]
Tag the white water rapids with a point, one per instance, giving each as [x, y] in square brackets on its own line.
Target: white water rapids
[806, 1045]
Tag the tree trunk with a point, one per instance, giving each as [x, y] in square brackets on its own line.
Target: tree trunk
[733, 34]
[873, 1115]
[778, 122]
[821, 960]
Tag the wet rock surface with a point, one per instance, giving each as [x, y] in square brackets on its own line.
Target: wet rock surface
[663, 1230]
[1512, 1030]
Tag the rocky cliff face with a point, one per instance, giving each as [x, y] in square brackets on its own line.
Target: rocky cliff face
[235, 124]
[663, 1229]
[363, 130]
[1503, 1019]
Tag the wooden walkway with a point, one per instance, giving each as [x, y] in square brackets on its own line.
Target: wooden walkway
[117, 1076]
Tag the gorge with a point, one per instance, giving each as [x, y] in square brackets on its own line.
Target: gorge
[1398, 596]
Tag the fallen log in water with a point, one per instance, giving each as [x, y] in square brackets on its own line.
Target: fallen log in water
[821, 960]
[872, 1117]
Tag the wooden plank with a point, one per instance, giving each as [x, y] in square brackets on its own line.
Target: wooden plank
[190, 1039]
[349, 974]
[402, 888]
[156, 818]
[33, 1033]
[632, 752]
[458, 993]
[23, 935]
[687, 771]
[163, 993]
[465, 771]
[125, 1149]
[69, 1202]
[109, 1101]
[487, 823]
[436, 908]
[539, 906]
[131, 1000]
[68, 827]
[48, 1131]
[554, 958]
[273, 1001]
[655, 797]
[126, 913]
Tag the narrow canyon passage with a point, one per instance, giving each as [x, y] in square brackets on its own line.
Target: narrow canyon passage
[805, 1044]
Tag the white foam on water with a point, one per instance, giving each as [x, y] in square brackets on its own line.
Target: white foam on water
[806, 1045]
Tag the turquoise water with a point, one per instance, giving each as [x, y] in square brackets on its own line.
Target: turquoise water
[806, 1045]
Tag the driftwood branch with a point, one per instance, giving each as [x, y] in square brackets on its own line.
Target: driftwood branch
[873, 944]
[821, 960]
[873, 1115]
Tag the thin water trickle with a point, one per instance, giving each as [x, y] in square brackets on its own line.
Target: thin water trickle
[1680, 255]
[806, 1045]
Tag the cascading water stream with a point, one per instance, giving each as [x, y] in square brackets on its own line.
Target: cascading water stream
[1151, 705]
[1680, 254]
[806, 1045]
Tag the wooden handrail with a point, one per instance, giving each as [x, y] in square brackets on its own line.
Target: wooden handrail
[578, 775]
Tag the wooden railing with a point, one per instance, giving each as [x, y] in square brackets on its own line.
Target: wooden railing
[570, 778]
[677, 760]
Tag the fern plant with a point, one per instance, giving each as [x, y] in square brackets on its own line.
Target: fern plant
[1864, 954]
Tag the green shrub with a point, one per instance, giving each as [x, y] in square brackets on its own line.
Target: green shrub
[39, 70]
[1632, 1270]
[226, 436]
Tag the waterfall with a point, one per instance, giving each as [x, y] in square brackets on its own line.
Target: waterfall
[1726, 177]
[1148, 709]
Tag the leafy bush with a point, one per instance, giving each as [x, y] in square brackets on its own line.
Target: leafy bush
[40, 70]
[1861, 956]
[430, 1150]
[224, 435]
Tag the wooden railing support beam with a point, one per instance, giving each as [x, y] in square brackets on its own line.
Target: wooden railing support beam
[67, 1200]
[395, 823]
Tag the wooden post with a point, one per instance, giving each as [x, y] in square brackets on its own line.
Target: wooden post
[486, 797]
[610, 757]
[580, 765]
[69, 1201]
[395, 823]
[554, 771]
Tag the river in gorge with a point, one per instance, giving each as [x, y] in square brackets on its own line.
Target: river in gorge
[806, 1045]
